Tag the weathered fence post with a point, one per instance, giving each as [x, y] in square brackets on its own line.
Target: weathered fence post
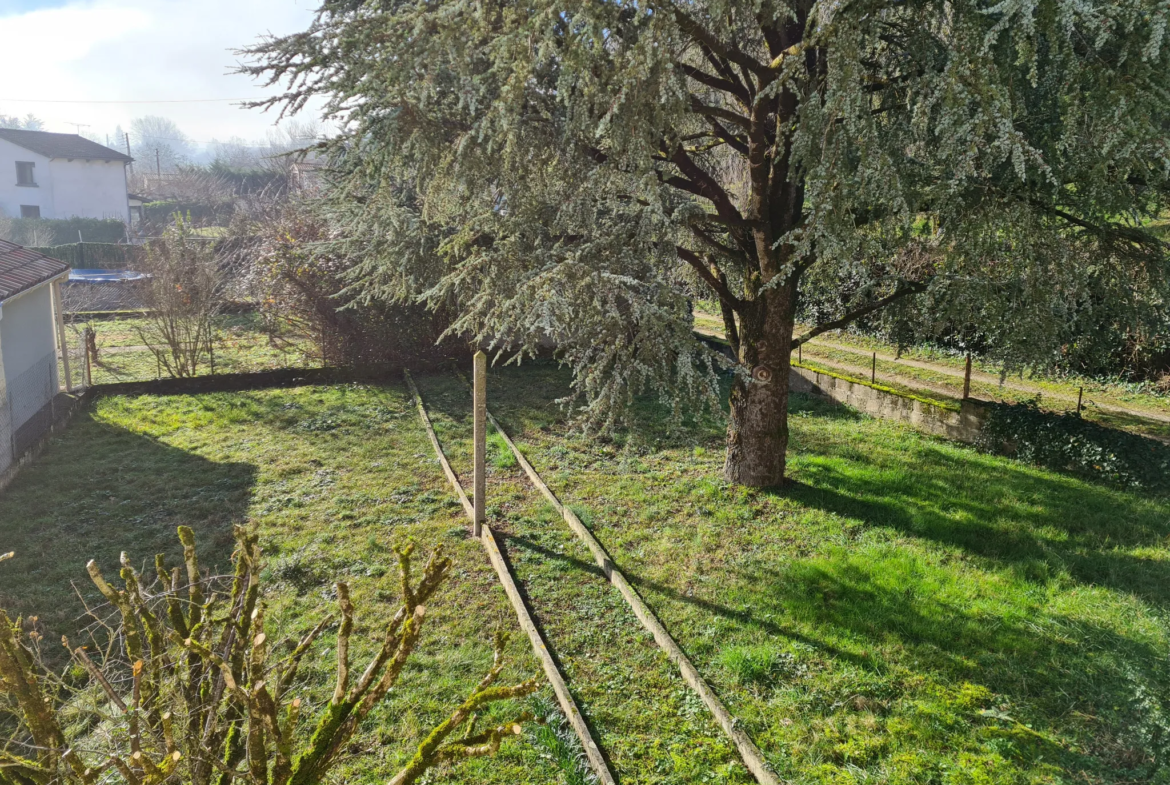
[59, 320]
[480, 393]
[1080, 398]
[873, 370]
[967, 379]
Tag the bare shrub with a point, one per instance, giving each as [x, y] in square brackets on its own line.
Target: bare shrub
[183, 295]
[199, 693]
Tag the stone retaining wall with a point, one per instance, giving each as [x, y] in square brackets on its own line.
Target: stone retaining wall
[963, 425]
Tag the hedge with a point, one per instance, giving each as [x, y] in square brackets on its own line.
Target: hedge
[1065, 442]
[199, 213]
[98, 256]
[44, 231]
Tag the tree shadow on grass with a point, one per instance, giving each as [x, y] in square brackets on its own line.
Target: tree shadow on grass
[1066, 678]
[850, 607]
[99, 490]
[644, 585]
[1036, 522]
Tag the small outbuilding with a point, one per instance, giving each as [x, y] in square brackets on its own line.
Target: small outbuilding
[32, 329]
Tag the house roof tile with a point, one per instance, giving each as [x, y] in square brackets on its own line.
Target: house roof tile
[61, 145]
[22, 269]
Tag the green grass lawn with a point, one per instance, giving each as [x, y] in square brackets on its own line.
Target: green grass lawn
[241, 346]
[907, 611]
[333, 478]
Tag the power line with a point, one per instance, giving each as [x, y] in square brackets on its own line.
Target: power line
[160, 101]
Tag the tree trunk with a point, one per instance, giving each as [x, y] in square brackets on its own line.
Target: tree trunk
[757, 434]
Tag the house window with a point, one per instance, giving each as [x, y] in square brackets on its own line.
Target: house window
[30, 211]
[24, 173]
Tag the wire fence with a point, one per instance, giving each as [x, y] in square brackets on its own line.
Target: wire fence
[26, 408]
[127, 347]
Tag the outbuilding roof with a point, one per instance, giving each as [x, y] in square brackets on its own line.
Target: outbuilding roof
[61, 145]
[22, 269]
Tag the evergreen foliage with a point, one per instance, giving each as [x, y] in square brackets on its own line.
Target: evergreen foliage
[579, 170]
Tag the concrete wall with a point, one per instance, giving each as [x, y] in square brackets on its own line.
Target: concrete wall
[963, 425]
[89, 189]
[65, 188]
[28, 352]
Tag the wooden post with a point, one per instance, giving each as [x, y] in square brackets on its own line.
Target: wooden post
[873, 370]
[539, 645]
[967, 379]
[60, 319]
[480, 489]
[1080, 397]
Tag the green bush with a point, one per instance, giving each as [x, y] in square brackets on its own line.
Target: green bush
[198, 213]
[1065, 442]
[44, 231]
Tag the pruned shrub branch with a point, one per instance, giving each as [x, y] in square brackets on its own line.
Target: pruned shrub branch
[202, 695]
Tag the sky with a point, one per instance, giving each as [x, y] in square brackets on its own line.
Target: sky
[76, 54]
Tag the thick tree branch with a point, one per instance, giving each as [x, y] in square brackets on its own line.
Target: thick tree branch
[722, 114]
[707, 186]
[728, 52]
[1108, 232]
[735, 142]
[854, 315]
[718, 286]
[730, 328]
[716, 83]
[715, 244]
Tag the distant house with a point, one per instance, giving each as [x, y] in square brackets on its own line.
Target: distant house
[44, 175]
[31, 328]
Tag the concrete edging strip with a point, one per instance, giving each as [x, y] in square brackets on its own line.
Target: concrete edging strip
[564, 697]
[752, 757]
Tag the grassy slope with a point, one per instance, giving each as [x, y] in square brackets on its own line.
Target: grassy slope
[909, 611]
[333, 477]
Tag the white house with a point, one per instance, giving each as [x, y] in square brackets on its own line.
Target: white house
[31, 328]
[44, 175]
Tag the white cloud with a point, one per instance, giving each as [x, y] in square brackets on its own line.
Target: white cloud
[140, 50]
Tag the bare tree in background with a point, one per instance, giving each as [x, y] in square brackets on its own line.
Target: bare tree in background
[30, 122]
[183, 296]
[154, 133]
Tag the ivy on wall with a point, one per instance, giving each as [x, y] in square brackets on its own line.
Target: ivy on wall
[1065, 442]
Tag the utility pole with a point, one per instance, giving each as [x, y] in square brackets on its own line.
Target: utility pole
[157, 165]
[128, 152]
